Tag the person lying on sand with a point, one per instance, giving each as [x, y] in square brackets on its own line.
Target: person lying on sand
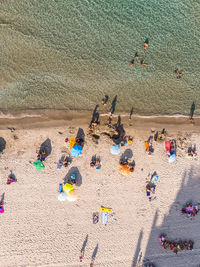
[66, 162]
[42, 155]
[11, 179]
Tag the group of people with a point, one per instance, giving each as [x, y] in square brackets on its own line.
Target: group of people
[136, 56]
[128, 164]
[95, 162]
[176, 246]
[192, 152]
[190, 209]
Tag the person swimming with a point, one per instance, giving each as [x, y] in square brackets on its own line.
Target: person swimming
[131, 64]
[136, 56]
[105, 100]
[142, 63]
[146, 44]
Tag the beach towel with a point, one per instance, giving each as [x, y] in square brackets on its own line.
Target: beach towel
[2, 209]
[62, 196]
[146, 145]
[38, 165]
[72, 141]
[60, 189]
[104, 217]
[102, 209]
[168, 146]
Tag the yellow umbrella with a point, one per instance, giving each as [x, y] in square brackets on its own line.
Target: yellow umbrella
[67, 188]
[124, 169]
[72, 196]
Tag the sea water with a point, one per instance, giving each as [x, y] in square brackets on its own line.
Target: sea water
[67, 54]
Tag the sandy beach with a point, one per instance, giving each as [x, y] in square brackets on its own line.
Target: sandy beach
[39, 230]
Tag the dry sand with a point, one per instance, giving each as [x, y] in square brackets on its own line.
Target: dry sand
[38, 230]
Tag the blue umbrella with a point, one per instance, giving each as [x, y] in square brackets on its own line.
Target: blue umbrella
[172, 158]
[115, 149]
[76, 150]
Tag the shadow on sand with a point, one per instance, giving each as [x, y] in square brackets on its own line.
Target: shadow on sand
[46, 146]
[73, 170]
[177, 227]
[2, 144]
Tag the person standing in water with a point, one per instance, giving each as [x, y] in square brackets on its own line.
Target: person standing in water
[105, 100]
[146, 45]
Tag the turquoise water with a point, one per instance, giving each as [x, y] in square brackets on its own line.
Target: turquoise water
[67, 54]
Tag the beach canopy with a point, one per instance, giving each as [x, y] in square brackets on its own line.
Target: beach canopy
[38, 165]
[76, 150]
[62, 196]
[115, 149]
[125, 170]
[67, 188]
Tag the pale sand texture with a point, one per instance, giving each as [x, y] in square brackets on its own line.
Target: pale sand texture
[38, 230]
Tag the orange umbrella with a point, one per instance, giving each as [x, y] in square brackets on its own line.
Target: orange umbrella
[124, 169]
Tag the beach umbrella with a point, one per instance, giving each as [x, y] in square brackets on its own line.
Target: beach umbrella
[76, 150]
[38, 165]
[67, 188]
[172, 158]
[125, 170]
[72, 196]
[62, 196]
[115, 149]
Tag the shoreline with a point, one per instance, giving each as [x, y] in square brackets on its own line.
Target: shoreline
[25, 119]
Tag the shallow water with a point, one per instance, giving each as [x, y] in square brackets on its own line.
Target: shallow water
[68, 54]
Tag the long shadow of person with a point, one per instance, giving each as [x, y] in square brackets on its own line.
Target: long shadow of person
[95, 118]
[2, 144]
[192, 109]
[69, 177]
[80, 134]
[94, 255]
[2, 198]
[46, 146]
[113, 106]
[84, 246]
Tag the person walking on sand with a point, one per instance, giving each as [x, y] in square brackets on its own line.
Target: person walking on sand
[81, 256]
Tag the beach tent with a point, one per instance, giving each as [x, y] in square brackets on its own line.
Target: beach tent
[125, 170]
[38, 165]
[62, 196]
[115, 149]
[67, 188]
[76, 150]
